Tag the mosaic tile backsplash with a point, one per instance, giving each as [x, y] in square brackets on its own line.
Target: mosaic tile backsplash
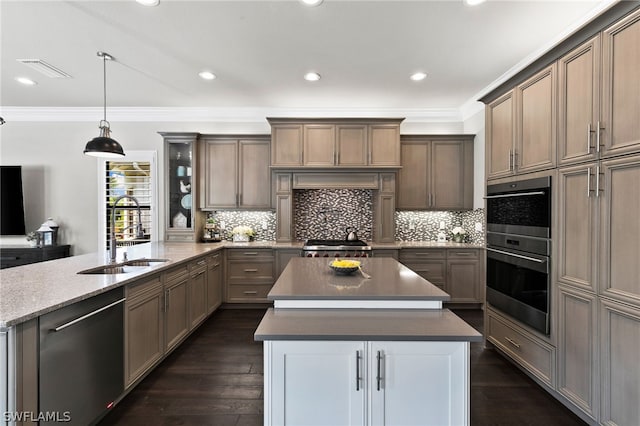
[325, 213]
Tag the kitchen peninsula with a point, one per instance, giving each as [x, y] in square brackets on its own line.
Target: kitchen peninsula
[344, 349]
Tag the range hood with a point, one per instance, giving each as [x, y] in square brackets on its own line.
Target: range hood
[336, 180]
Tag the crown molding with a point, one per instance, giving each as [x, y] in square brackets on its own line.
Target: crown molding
[227, 115]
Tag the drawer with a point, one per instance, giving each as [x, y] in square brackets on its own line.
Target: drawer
[248, 293]
[527, 350]
[177, 274]
[420, 254]
[214, 259]
[463, 254]
[256, 269]
[248, 253]
[433, 271]
[143, 286]
[197, 265]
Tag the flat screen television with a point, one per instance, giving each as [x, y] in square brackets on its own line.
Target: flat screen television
[11, 201]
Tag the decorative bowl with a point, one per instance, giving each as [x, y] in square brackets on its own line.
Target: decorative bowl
[344, 267]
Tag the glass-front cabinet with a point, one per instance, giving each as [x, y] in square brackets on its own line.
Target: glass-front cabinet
[181, 219]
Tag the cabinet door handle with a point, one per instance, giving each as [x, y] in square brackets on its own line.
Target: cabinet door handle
[90, 314]
[513, 342]
[358, 378]
[197, 274]
[589, 131]
[251, 270]
[250, 292]
[598, 189]
[598, 136]
[379, 374]
[588, 182]
[510, 159]
[515, 159]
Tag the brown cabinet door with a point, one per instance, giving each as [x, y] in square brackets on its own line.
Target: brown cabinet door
[221, 173]
[500, 136]
[577, 226]
[621, 86]
[197, 297]
[254, 176]
[536, 122]
[176, 312]
[286, 145]
[351, 145]
[579, 103]
[620, 229]
[413, 178]
[463, 281]
[451, 175]
[384, 145]
[214, 282]
[319, 145]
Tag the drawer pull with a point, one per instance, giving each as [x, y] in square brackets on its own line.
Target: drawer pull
[248, 292]
[513, 342]
[251, 270]
[202, 262]
[423, 254]
[198, 274]
[463, 254]
[250, 253]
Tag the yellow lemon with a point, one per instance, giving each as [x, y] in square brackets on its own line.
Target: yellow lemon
[342, 263]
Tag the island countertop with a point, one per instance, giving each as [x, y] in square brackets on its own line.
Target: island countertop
[311, 279]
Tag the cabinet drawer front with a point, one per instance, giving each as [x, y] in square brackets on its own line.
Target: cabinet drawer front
[144, 286]
[197, 265]
[462, 254]
[249, 253]
[534, 355]
[243, 293]
[250, 270]
[433, 271]
[214, 260]
[177, 274]
[412, 254]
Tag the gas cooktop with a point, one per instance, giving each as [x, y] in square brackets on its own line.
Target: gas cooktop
[335, 243]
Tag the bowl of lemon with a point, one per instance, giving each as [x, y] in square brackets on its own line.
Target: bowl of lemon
[344, 266]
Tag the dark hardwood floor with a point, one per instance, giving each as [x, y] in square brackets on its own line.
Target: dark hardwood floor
[215, 378]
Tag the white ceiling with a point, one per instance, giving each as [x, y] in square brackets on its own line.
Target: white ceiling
[364, 50]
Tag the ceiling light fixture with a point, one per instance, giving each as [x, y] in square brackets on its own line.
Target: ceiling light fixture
[473, 2]
[44, 68]
[312, 76]
[26, 81]
[103, 145]
[149, 2]
[207, 75]
[418, 76]
[311, 2]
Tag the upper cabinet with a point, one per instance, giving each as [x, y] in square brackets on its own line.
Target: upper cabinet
[180, 186]
[620, 115]
[521, 127]
[235, 172]
[320, 143]
[437, 173]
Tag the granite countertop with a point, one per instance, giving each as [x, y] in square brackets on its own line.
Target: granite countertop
[313, 279]
[364, 324]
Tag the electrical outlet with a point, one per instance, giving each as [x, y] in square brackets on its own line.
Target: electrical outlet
[223, 225]
[478, 227]
[412, 225]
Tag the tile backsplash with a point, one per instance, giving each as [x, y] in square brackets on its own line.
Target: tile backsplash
[325, 213]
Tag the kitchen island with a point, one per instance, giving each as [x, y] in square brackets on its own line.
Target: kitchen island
[355, 351]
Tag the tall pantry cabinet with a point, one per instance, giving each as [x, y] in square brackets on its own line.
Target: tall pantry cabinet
[598, 256]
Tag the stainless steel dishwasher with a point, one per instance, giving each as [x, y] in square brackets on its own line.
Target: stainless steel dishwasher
[81, 359]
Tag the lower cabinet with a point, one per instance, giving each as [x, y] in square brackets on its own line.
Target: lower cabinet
[366, 383]
[214, 281]
[250, 275]
[176, 296]
[197, 292]
[144, 331]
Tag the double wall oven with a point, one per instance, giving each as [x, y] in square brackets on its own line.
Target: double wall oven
[519, 249]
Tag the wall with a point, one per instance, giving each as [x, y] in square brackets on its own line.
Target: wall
[61, 182]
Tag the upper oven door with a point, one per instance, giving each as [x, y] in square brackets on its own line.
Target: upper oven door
[522, 208]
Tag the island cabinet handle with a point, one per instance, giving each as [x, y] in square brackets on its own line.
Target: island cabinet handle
[379, 375]
[358, 378]
[513, 342]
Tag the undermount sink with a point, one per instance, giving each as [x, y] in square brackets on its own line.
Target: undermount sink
[128, 266]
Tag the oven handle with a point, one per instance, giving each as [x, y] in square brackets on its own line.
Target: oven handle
[533, 259]
[517, 194]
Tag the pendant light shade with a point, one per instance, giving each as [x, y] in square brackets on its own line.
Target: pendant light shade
[103, 145]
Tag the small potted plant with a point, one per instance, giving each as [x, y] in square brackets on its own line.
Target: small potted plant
[458, 234]
[32, 239]
[242, 234]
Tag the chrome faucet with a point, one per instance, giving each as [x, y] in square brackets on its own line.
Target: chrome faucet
[140, 229]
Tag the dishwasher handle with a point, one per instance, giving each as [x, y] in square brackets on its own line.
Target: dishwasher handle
[90, 314]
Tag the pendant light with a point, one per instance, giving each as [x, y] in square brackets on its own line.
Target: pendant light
[103, 145]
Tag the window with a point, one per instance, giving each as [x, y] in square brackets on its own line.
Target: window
[135, 177]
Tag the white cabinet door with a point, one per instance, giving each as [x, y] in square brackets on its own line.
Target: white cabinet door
[314, 383]
[419, 383]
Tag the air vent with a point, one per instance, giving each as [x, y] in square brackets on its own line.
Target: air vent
[44, 68]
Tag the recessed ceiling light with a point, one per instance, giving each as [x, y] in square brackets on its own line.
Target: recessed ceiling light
[474, 2]
[26, 81]
[311, 2]
[207, 75]
[312, 76]
[418, 76]
[149, 2]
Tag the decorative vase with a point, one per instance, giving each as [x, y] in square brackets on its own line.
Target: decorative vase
[240, 238]
[458, 238]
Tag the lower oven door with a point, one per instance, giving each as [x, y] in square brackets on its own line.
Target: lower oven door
[518, 284]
